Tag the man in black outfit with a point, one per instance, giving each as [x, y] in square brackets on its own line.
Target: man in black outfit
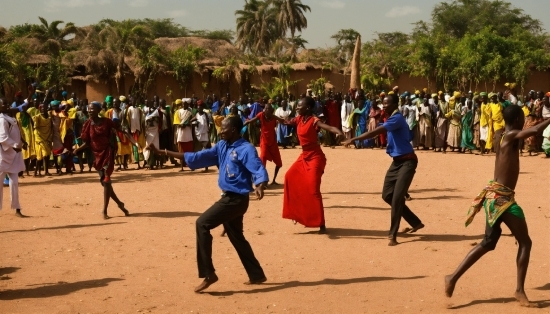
[239, 166]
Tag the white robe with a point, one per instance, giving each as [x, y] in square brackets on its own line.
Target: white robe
[201, 129]
[134, 116]
[184, 133]
[10, 160]
[347, 109]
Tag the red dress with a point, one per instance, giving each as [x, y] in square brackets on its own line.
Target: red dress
[303, 202]
[102, 140]
[269, 151]
[332, 112]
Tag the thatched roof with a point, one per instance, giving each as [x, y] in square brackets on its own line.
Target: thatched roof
[77, 58]
[79, 78]
[216, 50]
[304, 66]
[132, 64]
[38, 59]
[33, 44]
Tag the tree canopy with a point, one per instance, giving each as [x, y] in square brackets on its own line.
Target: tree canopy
[465, 44]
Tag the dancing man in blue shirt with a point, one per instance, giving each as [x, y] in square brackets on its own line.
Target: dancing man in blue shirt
[401, 172]
[240, 166]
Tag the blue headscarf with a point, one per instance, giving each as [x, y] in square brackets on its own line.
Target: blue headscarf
[96, 104]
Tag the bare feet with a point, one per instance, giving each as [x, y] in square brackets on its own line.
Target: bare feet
[105, 216]
[393, 242]
[322, 230]
[256, 281]
[124, 210]
[274, 183]
[207, 282]
[449, 286]
[523, 301]
[19, 214]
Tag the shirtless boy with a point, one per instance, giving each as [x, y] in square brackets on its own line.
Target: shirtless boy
[497, 198]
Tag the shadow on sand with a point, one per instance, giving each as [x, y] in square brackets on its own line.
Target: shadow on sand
[127, 176]
[542, 303]
[8, 270]
[270, 287]
[358, 207]
[65, 227]
[166, 214]
[339, 233]
[545, 287]
[54, 290]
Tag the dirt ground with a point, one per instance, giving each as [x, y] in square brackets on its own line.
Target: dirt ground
[66, 259]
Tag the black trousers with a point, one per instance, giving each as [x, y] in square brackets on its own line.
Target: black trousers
[396, 185]
[229, 211]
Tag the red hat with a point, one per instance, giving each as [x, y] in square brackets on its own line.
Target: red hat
[19, 94]
[199, 103]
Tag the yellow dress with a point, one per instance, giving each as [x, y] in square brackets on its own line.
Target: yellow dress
[485, 120]
[32, 111]
[497, 117]
[43, 135]
[525, 111]
[27, 133]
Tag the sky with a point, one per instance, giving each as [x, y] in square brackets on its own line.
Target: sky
[326, 17]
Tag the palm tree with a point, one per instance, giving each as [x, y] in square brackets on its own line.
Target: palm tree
[290, 15]
[52, 37]
[257, 29]
[122, 39]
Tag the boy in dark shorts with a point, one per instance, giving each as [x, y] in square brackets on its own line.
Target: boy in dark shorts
[497, 198]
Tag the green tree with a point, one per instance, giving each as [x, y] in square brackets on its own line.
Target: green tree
[13, 66]
[345, 39]
[123, 39]
[183, 62]
[291, 16]
[257, 29]
[53, 38]
[458, 17]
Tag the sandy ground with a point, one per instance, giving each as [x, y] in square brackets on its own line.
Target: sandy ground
[66, 259]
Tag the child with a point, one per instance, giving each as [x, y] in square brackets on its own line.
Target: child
[497, 198]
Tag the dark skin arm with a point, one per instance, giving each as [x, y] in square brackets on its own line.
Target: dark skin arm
[259, 191]
[536, 130]
[251, 120]
[331, 129]
[379, 130]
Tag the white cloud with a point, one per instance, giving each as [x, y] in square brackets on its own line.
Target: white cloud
[56, 5]
[138, 3]
[334, 4]
[402, 11]
[176, 13]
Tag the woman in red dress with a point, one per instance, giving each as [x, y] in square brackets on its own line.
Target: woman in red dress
[303, 202]
[269, 149]
[99, 134]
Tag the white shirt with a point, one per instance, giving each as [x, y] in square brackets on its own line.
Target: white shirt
[184, 133]
[10, 137]
[281, 113]
[134, 114]
[201, 129]
[347, 109]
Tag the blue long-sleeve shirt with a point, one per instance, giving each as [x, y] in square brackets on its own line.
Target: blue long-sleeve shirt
[255, 109]
[215, 106]
[239, 165]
